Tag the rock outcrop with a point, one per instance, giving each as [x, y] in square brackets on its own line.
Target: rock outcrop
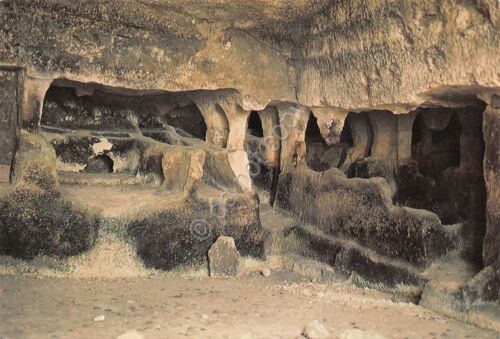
[374, 124]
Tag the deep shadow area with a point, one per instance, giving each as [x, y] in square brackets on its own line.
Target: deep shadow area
[255, 125]
[321, 156]
[97, 108]
[101, 163]
[445, 174]
[436, 150]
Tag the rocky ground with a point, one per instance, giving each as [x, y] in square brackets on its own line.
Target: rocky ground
[252, 306]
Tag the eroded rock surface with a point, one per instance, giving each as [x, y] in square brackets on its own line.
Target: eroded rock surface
[373, 125]
[223, 258]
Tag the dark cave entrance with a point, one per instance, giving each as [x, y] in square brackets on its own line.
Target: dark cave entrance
[315, 145]
[263, 147]
[255, 148]
[187, 121]
[255, 125]
[321, 156]
[111, 111]
[104, 130]
[445, 174]
[346, 137]
[101, 163]
[436, 150]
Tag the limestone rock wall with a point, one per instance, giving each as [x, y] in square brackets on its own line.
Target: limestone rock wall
[319, 53]
[134, 45]
[491, 127]
[351, 64]
[371, 53]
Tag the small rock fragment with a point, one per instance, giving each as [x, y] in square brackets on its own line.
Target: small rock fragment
[99, 318]
[132, 334]
[316, 330]
[223, 258]
[266, 272]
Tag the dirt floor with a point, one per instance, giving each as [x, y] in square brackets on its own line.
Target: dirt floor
[113, 201]
[53, 298]
[279, 306]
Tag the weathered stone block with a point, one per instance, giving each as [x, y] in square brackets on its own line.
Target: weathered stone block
[491, 131]
[223, 258]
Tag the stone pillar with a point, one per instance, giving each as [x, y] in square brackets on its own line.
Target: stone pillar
[404, 136]
[34, 91]
[491, 134]
[238, 123]
[271, 128]
[385, 138]
[362, 137]
[330, 122]
[237, 157]
[216, 121]
[10, 86]
[293, 122]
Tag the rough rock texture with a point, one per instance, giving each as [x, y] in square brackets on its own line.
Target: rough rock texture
[10, 85]
[491, 127]
[183, 234]
[362, 209]
[316, 330]
[35, 219]
[139, 45]
[343, 54]
[223, 258]
[349, 57]
[368, 110]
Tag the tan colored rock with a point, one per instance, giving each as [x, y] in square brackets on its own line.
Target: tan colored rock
[182, 168]
[132, 334]
[362, 136]
[417, 45]
[331, 122]
[272, 131]
[316, 330]
[239, 164]
[32, 103]
[216, 120]
[293, 121]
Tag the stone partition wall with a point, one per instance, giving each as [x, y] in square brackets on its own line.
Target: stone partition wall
[10, 107]
[491, 132]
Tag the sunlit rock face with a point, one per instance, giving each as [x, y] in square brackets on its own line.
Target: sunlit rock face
[373, 125]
